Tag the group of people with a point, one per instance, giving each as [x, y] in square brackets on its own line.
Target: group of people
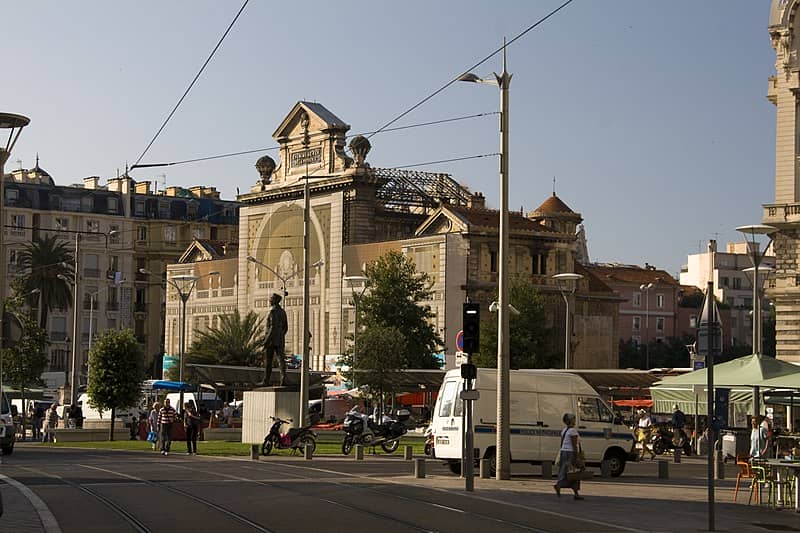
[644, 430]
[45, 420]
[162, 419]
[759, 437]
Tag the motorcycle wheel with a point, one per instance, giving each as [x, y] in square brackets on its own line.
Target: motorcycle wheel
[687, 449]
[428, 448]
[390, 446]
[658, 447]
[308, 441]
[266, 448]
[347, 444]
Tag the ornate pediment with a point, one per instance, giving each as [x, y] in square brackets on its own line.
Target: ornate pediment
[443, 220]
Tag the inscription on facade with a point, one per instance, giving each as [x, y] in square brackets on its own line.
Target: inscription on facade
[306, 157]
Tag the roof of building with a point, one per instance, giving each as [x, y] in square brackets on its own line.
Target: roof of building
[553, 205]
[611, 273]
[591, 281]
[490, 218]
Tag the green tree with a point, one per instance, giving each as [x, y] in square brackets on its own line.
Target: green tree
[528, 333]
[237, 341]
[116, 372]
[379, 360]
[46, 258]
[24, 362]
[395, 292]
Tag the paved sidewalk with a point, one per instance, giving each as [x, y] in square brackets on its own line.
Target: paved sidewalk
[19, 516]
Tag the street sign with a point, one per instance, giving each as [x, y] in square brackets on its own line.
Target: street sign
[461, 358]
[460, 340]
[469, 394]
[698, 365]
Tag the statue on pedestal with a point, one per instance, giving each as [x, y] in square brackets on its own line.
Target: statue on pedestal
[275, 342]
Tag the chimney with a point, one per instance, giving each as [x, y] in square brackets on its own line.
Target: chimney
[91, 182]
[142, 187]
[477, 201]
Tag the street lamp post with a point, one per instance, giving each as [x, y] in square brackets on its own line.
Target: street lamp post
[567, 294]
[184, 284]
[503, 456]
[14, 124]
[352, 281]
[756, 256]
[282, 278]
[646, 288]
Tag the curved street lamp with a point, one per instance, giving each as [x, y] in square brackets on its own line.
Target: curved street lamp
[354, 281]
[645, 287]
[756, 255]
[567, 285]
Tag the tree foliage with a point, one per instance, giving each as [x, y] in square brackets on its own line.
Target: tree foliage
[379, 360]
[45, 258]
[394, 299]
[237, 341]
[116, 372]
[528, 333]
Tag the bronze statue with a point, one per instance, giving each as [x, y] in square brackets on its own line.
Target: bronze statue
[275, 345]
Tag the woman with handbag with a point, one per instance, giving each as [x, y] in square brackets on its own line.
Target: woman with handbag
[152, 425]
[569, 457]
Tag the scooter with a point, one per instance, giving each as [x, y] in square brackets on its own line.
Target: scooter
[365, 430]
[429, 441]
[662, 441]
[295, 438]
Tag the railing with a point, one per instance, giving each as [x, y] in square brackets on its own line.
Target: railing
[140, 307]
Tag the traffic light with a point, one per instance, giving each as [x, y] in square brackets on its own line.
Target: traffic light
[471, 325]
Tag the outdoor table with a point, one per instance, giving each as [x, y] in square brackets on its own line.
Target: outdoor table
[779, 465]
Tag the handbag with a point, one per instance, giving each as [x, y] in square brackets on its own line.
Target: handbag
[151, 436]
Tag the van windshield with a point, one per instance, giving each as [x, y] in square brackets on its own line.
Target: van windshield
[594, 410]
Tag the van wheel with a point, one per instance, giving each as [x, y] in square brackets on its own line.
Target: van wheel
[616, 460]
[455, 467]
[492, 456]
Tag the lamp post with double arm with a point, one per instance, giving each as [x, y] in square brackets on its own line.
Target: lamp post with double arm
[567, 285]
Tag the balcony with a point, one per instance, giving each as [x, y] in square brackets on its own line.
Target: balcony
[140, 307]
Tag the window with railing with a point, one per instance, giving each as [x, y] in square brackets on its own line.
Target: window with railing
[637, 323]
[58, 359]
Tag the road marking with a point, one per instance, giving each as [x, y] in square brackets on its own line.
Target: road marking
[49, 521]
[446, 508]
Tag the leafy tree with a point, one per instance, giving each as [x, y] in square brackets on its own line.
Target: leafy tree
[237, 341]
[379, 360]
[528, 333]
[394, 299]
[24, 363]
[116, 372]
[46, 258]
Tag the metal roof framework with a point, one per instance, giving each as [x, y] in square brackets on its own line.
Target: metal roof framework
[404, 190]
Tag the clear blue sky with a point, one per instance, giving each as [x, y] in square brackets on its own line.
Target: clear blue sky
[651, 115]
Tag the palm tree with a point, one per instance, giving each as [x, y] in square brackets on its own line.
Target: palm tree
[237, 341]
[46, 258]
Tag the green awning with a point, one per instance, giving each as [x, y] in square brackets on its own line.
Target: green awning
[750, 370]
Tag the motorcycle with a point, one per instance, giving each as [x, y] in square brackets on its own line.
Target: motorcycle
[429, 441]
[663, 441]
[367, 431]
[295, 438]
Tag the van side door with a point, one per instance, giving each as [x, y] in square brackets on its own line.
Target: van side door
[552, 408]
[526, 426]
[447, 423]
[595, 425]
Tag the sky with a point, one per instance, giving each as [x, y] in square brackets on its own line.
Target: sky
[651, 116]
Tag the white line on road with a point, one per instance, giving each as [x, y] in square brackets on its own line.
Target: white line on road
[49, 521]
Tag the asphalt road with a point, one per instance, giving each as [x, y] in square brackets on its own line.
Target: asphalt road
[107, 491]
[100, 491]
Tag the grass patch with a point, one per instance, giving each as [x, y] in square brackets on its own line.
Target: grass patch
[326, 445]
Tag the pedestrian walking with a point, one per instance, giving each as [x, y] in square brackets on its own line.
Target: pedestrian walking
[166, 418]
[152, 424]
[569, 458]
[191, 423]
[38, 421]
[644, 429]
[50, 423]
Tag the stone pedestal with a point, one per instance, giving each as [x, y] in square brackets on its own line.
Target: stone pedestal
[260, 404]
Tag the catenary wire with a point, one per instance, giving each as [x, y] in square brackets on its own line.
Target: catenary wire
[197, 76]
[473, 67]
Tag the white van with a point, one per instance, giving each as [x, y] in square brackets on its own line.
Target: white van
[539, 399]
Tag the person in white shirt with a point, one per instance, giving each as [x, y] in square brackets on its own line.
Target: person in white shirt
[569, 457]
[643, 430]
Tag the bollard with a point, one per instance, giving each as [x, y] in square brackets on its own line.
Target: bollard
[547, 469]
[719, 466]
[254, 452]
[409, 453]
[663, 469]
[419, 468]
[605, 468]
[359, 452]
[308, 451]
[676, 455]
[485, 468]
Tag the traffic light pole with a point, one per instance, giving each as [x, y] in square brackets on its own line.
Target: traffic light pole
[471, 320]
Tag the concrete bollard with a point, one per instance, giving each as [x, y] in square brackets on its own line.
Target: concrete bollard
[663, 469]
[359, 452]
[605, 468]
[719, 466]
[419, 468]
[547, 469]
[676, 455]
[254, 452]
[409, 453]
[308, 452]
[485, 469]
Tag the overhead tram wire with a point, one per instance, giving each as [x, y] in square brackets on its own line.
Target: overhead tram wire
[271, 148]
[197, 76]
[470, 69]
